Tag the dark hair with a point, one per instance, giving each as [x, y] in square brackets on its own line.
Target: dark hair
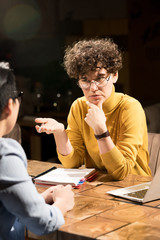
[84, 55]
[7, 85]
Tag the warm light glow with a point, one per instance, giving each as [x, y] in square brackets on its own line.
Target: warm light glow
[22, 22]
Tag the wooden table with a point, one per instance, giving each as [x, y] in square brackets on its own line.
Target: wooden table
[97, 215]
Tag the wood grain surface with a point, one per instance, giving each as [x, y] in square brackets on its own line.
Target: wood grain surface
[98, 215]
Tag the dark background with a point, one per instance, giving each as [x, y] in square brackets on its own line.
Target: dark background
[34, 34]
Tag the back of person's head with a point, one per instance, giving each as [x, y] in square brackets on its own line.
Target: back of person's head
[7, 85]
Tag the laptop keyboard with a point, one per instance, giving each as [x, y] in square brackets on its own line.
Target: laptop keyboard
[138, 194]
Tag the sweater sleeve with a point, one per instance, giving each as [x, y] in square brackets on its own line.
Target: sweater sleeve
[132, 133]
[76, 158]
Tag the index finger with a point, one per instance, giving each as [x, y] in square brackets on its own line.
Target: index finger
[99, 104]
[89, 104]
[40, 120]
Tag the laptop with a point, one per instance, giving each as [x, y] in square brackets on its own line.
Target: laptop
[142, 193]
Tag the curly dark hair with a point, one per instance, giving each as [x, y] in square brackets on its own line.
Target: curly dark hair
[83, 56]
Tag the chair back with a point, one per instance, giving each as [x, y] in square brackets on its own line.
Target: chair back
[152, 113]
[154, 151]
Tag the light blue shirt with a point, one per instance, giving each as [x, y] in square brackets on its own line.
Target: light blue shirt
[20, 203]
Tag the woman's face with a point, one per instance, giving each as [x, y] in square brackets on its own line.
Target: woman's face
[98, 93]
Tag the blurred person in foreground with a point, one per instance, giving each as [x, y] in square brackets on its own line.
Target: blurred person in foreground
[20, 203]
[106, 130]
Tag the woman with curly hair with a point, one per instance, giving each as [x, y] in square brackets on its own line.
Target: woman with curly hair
[106, 130]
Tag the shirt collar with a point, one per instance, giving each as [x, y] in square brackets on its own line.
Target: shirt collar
[112, 101]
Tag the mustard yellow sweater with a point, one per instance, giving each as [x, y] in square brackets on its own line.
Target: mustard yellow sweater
[126, 123]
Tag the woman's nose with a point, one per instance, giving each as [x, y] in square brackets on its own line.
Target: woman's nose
[93, 86]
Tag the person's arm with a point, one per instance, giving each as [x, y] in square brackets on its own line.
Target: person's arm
[51, 126]
[120, 158]
[31, 210]
[96, 119]
[70, 143]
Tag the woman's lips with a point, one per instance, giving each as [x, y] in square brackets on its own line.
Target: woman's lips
[95, 96]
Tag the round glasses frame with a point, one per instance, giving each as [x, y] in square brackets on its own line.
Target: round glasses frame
[87, 84]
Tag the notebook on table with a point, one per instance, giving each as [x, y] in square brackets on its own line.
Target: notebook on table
[64, 176]
[144, 192]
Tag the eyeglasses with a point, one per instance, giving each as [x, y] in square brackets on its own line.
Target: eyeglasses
[100, 82]
[18, 95]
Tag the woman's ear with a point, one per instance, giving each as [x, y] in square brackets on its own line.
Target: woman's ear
[115, 77]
